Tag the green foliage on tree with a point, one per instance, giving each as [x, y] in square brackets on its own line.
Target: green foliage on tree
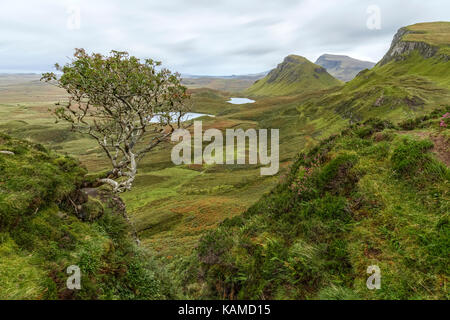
[129, 106]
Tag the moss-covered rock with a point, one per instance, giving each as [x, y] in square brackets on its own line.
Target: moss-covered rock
[92, 210]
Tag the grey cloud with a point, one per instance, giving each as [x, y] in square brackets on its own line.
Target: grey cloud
[253, 51]
[202, 36]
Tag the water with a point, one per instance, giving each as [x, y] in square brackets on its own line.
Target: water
[240, 100]
[186, 117]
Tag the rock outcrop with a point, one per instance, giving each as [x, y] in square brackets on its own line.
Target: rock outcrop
[399, 47]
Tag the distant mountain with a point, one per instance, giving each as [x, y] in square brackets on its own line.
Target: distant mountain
[430, 39]
[294, 75]
[342, 67]
[256, 76]
[412, 76]
[344, 199]
[232, 83]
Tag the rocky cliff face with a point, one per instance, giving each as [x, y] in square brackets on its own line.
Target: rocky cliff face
[343, 67]
[399, 47]
[290, 70]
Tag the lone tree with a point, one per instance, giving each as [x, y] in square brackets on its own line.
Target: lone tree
[129, 106]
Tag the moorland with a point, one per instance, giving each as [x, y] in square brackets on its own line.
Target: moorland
[363, 180]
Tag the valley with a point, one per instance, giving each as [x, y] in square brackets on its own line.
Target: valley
[292, 235]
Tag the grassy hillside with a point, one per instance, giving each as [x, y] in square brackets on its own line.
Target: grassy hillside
[375, 194]
[430, 39]
[172, 206]
[435, 33]
[41, 233]
[409, 79]
[293, 76]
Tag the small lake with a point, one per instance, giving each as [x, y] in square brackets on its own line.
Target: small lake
[186, 117]
[240, 100]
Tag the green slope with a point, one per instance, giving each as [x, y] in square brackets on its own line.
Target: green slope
[293, 76]
[375, 194]
[226, 268]
[371, 195]
[412, 77]
[40, 234]
[429, 38]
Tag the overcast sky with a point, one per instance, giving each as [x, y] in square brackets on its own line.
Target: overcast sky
[214, 37]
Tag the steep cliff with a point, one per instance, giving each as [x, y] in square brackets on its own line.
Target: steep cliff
[411, 78]
[427, 39]
[343, 67]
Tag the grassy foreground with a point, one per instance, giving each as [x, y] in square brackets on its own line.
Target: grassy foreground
[41, 233]
[375, 194]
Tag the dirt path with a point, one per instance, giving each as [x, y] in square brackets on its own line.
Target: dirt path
[441, 147]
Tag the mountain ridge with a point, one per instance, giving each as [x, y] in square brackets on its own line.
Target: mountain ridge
[343, 67]
[427, 38]
[294, 75]
[374, 193]
[412, 76]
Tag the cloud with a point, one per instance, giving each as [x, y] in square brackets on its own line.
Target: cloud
[200, 36]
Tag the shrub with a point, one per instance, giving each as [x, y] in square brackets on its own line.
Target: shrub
[213, 246]
[410, 155]
[410, 124]
[92, 210]
[386, 135]
[422, 121]
[329, 207]
[335, 176]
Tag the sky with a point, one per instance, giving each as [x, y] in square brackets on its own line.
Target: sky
[204, 37]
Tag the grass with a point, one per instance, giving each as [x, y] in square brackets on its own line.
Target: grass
[213, 193]
[394, 91]
[171, 208]
[162, 191]
[435, 33]
[41, 234]
[367, 199]
[411, 155]
[293, 76]
[20, 276]
[379, 196]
